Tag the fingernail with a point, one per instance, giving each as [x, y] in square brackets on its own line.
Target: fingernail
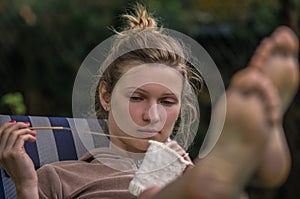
[12, 121]
[26, 123]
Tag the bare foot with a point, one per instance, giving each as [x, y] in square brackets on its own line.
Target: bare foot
[276, 57]
[252, 147]
[248, 137]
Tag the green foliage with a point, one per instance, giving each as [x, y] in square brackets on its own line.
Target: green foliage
[15, 102]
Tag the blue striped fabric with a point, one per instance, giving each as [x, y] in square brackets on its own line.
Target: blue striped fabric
[64, 139]
[2, 194]
[55, 145]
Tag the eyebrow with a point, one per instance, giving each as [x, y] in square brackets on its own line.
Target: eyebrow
[144, 91]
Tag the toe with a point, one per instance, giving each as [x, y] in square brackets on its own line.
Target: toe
[286, 39]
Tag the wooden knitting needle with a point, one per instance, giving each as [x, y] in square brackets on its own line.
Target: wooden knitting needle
[85, 132]
[49, 128]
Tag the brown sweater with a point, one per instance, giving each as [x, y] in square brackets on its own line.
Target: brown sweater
[88, 178]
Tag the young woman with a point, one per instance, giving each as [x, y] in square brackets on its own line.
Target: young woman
[142, 93]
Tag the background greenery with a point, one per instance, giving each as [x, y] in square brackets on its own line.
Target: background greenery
[42, 44]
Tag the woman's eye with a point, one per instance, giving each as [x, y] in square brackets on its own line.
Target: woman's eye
[167, 102]
[135, 99]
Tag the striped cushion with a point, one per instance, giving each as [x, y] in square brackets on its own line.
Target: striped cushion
[55, 145]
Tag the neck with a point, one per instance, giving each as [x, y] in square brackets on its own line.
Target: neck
[126, 151]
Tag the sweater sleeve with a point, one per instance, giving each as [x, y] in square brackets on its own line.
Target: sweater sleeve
[49, 183]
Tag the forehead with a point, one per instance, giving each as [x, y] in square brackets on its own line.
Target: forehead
[144, 74]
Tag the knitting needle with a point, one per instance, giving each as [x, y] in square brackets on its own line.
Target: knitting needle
[85, 132]
[49, 128]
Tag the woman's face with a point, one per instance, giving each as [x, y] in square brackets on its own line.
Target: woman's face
[145, 104]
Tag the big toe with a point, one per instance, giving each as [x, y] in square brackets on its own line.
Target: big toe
[287, 40]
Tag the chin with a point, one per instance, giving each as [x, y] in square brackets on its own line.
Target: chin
[142, 147]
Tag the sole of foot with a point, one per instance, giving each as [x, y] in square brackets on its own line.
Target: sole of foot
[239, 150]
[277, 57]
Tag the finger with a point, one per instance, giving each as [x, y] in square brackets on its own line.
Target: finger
[188, 167]
[17, 135]
[175, 146]
[4, 126]
[11, 130]
[13, 125]
[187, 158]
[23, 138]
[7, 128]
[16, 157]
[18, 141]
[172, 144]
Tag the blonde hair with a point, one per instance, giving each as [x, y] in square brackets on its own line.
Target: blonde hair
[141, 41]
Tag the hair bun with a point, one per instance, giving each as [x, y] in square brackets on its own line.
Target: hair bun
[140, 19]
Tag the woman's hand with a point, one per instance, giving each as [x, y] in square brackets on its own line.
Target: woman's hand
[152, 191]
[15, 160]
[175, 146]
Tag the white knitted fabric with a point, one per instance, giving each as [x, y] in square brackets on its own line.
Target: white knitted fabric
[160, 166]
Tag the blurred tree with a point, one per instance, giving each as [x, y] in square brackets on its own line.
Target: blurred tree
[43, 44]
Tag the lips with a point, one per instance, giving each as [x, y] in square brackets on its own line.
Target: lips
[148, 132]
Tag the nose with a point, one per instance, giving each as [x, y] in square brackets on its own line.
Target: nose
[153, 113]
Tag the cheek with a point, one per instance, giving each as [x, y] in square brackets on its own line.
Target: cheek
[135, 111]
[121, 108]
[172, 116]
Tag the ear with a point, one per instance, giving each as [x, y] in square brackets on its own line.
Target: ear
[104, 96]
